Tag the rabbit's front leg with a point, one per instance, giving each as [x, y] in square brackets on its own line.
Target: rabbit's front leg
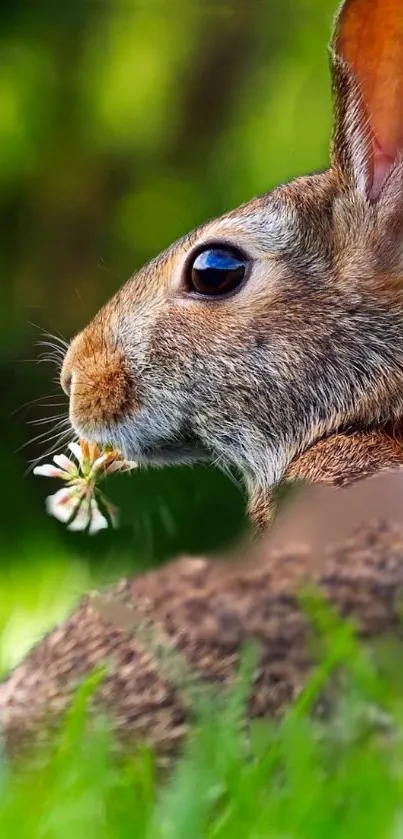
[261, 509]
[345, 458]
[339, 460]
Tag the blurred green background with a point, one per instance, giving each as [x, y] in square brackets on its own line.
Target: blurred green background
[123, 124]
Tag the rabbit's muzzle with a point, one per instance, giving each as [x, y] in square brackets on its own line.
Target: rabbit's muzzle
[108, 404]
[100, 387]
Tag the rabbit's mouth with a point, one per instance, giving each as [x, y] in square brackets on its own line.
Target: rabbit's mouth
[149, 448]
[172, 457]
[171, 452]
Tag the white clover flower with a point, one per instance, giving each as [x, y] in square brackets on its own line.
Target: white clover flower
[77, 503]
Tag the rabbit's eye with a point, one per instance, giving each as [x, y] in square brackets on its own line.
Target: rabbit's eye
[216, 271]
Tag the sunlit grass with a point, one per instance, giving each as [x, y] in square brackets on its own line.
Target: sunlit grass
[306, 776]
[37, 591]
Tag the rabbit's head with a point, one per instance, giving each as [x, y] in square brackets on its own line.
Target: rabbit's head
[281, 322]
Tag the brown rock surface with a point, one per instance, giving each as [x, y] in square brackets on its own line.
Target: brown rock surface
[207, 609]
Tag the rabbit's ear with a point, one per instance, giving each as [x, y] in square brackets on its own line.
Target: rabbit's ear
[367, 64]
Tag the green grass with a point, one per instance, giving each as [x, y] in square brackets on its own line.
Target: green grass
[338, 774]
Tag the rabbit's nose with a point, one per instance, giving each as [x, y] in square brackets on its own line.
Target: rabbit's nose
[66, 378]
[67, 371]
[101, 388]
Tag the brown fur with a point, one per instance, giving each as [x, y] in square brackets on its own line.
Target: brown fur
[103, 384]
[311, 345]
[342, 459]
[298, 375]
[339, 460]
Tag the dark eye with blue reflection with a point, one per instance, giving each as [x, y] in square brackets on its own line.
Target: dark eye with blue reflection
[216, 271]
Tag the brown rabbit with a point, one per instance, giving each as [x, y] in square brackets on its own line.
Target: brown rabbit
[280, 323]
[269, 341]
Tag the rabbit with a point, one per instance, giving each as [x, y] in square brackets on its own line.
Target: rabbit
[270, 342]
[280, 324]
[163, 634]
